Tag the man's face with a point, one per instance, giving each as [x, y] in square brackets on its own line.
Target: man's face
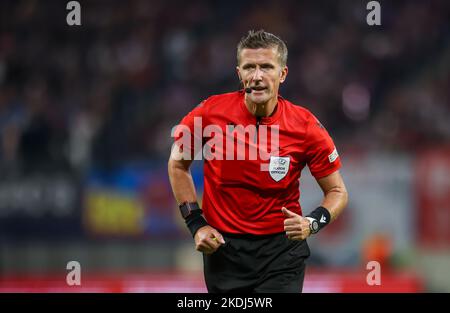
[260, 70]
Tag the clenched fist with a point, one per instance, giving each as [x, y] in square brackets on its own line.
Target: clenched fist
[208, 240]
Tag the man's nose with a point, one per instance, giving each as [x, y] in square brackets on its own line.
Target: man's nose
[257, 75]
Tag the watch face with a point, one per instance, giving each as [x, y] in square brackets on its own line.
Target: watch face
[314, 226]
[188, 208]
[185, 210]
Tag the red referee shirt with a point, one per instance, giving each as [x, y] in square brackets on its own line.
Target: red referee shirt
[245, 195]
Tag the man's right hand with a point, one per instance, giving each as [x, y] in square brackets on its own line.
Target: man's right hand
[208, 240]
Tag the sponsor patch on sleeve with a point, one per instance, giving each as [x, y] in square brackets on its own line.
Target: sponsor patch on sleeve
[333, 156]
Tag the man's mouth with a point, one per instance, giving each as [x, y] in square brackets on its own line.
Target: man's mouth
[258, 88]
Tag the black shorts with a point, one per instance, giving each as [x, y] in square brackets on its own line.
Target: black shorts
[249, 263]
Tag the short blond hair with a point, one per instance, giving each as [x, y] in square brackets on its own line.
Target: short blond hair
[262, 39]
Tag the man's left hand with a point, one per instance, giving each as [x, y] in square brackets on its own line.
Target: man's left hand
[295, 226]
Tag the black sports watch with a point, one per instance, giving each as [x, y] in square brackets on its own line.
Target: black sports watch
[313, 225]
[188, 208]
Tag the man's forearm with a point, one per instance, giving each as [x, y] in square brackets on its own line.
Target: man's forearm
[335, 194]
[335, 200]
[181, 181]
[184, 191]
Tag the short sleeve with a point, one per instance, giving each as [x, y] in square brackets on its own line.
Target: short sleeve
[188, 133]
[321, 153]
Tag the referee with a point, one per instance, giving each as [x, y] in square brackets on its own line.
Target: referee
[251, 229]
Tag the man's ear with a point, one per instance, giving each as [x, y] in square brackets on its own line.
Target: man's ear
[238, 73]
[283, 74]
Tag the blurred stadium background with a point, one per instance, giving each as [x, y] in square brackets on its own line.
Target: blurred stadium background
[86, 113]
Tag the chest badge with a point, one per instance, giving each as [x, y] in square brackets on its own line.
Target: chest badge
[278, 167]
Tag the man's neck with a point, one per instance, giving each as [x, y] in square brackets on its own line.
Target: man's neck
[262, 110]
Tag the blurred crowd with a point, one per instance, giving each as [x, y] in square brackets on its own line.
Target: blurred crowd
[109, 91]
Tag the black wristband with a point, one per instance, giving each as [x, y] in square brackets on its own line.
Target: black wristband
[195, 221]
[322, 216]
[192, 215]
